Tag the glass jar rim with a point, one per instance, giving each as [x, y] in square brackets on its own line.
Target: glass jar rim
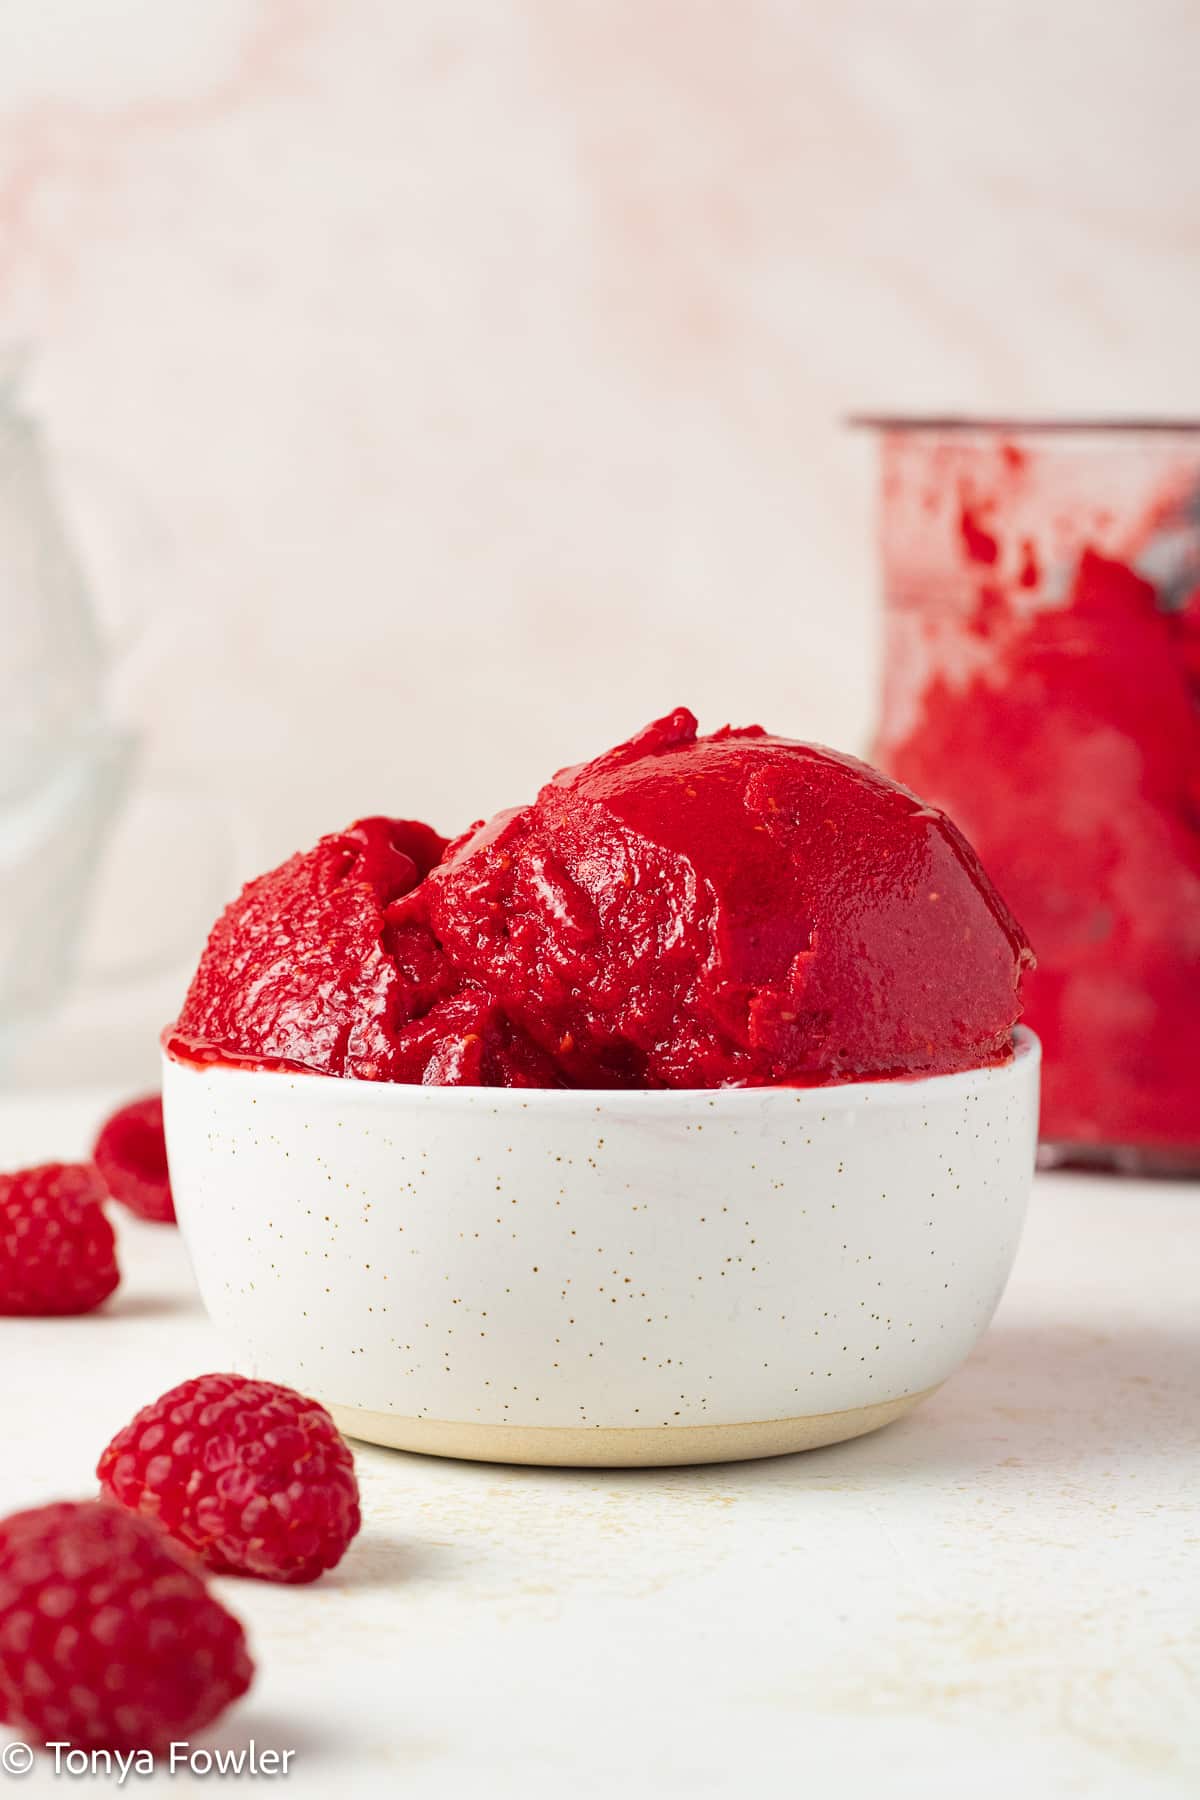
[1011, 424]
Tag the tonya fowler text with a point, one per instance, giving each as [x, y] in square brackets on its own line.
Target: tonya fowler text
[179, 1759]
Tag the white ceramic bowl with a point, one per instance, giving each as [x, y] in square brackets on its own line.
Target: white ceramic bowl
[603, 1278]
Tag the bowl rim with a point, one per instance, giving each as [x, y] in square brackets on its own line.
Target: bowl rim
[894, 1090]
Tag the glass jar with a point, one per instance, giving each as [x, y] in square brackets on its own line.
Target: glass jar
[1042, 684]
[68, 772]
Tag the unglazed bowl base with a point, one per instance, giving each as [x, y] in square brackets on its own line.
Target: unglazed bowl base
[624, 1447]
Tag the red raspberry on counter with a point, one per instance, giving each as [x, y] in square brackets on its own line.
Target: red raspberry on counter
[253, 1478]
[109, 1637]
[131, 1155]
[57, 1252]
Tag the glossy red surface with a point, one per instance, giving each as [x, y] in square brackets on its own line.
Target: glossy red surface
[681, 912]
[295, 973]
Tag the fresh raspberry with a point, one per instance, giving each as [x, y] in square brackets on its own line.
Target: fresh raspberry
[109, 1637]
[252, 1477]
[131, 1155]
[56, 1246]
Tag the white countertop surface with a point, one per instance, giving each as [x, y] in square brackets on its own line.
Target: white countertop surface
[1001, 1591]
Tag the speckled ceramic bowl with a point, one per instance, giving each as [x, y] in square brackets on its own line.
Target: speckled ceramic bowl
[603, 1278]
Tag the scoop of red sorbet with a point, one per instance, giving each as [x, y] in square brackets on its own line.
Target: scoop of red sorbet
[681, 912]
[295, 971]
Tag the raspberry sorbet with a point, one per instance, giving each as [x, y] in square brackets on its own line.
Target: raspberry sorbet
[1042, 680]
[682, 911]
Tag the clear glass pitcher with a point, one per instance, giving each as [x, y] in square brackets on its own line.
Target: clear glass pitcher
[65, 767]
[1042, 684]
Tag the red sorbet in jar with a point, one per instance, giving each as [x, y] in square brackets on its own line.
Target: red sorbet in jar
[1042, 683]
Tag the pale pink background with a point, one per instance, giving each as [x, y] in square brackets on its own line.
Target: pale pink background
[449, 388]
